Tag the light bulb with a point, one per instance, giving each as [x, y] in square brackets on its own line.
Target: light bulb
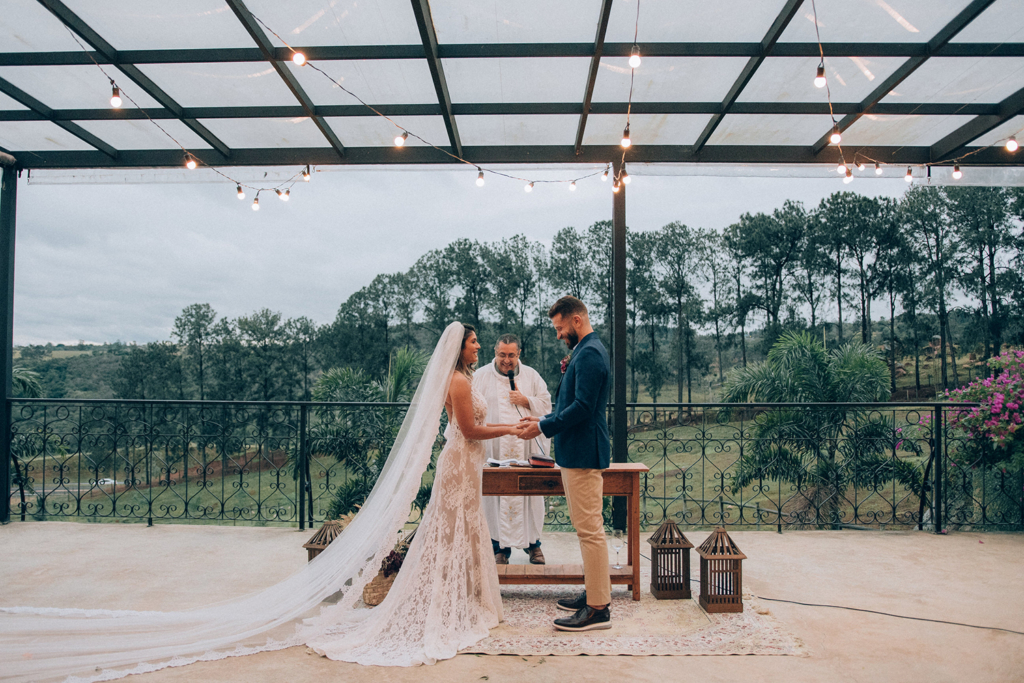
[860, 166]
[910, 176]
[1011, 144]
[190, 163]
[957, 173]
[305, 174]
[604, 176]
[841, 168]
[615, 186]
[819, 79]
[115, 98]
[480, 179]
[241, 192]
[634, 57]
[626, 142]
[835, 138]
[572, 186]
[529, 188]
[299, 58]
[400, 139]
[878, 169]
[287, 195]
[256, 204]
[625, 178]
[848, 178]
[283, 195]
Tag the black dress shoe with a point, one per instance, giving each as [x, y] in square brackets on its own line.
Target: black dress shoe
[573, 604]
[586, 619]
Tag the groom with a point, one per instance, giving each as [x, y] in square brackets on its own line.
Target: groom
[580, 432]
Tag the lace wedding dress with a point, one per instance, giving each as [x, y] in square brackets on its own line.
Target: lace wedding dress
[444, 599]
[446, 596]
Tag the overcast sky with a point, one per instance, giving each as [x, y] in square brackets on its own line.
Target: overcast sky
[102, 262]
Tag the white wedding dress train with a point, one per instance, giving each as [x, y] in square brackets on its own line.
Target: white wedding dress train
[446, 596]
[444, 599]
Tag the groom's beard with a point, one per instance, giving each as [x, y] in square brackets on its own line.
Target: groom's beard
[572, 339]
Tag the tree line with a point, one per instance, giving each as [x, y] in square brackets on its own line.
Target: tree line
[699, 301]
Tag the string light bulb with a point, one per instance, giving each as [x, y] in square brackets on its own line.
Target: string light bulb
[283, 195]
[860, 166]
[835, 138]
[115, 98]
[819, 79]
[957, 173]
[625, 177]
[256, 204]
[615, 186]
[305, 174]
[572, 186]
[878, 169]
[604, 176]
[910, 175]
[240, 191]
[529, 187]
[299, 59]
[190, 163]
[626, 142]
[480, 179]
[400, 139]
[848, 178]
[634, 57]
[1011, 144]
[841, 168]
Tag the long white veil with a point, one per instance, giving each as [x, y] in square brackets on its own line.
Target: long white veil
[95, 645]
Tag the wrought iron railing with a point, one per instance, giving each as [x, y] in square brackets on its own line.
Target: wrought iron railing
[740, 465]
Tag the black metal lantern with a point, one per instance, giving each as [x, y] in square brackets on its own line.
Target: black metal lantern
[721, 573]
[670, 563]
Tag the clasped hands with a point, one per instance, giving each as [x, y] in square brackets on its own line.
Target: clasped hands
[529, 428]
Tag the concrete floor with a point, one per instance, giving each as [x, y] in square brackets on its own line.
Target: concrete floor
[966, 577]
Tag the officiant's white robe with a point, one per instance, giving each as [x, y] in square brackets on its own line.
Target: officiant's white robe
[514, 521]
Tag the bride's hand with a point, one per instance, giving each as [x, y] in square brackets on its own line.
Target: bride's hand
[514, 430]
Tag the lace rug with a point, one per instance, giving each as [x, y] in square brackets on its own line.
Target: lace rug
[644, 627]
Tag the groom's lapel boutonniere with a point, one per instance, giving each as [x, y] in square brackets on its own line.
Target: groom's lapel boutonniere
[565, 362]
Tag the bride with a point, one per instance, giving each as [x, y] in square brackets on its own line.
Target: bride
[444, 599]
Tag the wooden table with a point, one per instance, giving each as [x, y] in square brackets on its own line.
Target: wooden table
[620, 479]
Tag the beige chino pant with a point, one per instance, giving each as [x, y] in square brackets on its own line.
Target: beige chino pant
[583, 493]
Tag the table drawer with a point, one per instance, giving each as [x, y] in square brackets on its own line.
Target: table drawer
[549, 484]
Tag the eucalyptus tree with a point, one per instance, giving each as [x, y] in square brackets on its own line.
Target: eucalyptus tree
[715, 269]
[981, 220]
[812, 268]
[743, 301]
[407, 304]
[262, 334]
[598, 251]
[301, 337]
[641, 279]
[924, 217]
[194, 330]
[860, 230]
[890, 271]
[472, 276]
[831, 218]
[570, 270]
[515, 264]
[435, 279]
[678, 255]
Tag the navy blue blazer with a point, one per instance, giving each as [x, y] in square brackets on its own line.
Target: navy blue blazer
[579, 425]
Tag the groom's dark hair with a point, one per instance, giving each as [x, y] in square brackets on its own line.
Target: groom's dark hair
[567, 307]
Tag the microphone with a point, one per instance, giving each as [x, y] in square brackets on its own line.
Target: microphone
[511, 379]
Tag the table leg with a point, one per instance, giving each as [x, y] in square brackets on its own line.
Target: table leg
[633, 532]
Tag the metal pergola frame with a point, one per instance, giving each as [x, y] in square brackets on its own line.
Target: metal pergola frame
[987, 116]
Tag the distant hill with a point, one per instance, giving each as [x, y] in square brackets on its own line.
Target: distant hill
[68, 371]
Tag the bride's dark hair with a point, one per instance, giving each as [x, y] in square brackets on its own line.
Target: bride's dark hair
[466, 370]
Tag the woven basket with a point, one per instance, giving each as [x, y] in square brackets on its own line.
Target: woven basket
[375, 591]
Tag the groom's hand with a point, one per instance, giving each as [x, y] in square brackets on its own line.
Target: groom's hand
[531, 428]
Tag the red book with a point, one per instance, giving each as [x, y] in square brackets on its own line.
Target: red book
[541, 461]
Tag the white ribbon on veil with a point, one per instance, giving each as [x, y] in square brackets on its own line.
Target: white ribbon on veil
[95, 645]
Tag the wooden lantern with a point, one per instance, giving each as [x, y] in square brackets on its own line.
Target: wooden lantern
[322, 538]
[670, 563]
[721, 573]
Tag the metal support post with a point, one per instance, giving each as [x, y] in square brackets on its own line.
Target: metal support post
[301, 469]
[620, 452]
[938, 447]
[8, 200]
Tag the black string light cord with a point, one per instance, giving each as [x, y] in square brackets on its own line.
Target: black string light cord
[872, 611]
[857, 155]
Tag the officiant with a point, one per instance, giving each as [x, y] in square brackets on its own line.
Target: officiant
[514, 521]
